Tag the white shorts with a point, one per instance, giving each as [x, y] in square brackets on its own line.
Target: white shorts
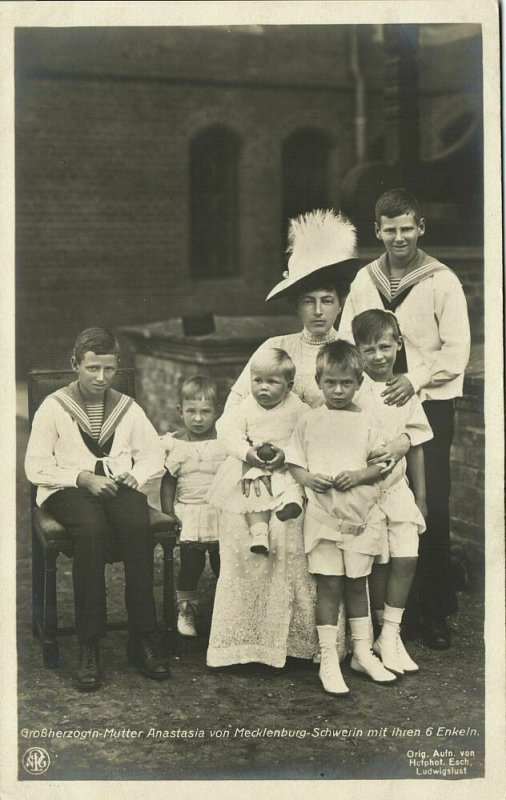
[327, 558]
[401, 541]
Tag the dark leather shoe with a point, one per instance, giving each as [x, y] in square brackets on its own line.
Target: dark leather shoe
[436, 633]
[88, 676]
[144, 652]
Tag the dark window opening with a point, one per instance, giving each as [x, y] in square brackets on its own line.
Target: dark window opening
[214, 160]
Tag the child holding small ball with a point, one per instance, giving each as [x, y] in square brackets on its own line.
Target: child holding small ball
[254, 434]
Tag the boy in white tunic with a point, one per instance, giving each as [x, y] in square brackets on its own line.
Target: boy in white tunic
[378, 339]
[343, 524]
[430, 306]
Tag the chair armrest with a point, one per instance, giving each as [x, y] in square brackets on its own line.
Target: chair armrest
[51, 534]
[161, 523]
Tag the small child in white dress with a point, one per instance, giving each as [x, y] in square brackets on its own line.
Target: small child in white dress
[254, 433]
[378, 339]
[192, 460]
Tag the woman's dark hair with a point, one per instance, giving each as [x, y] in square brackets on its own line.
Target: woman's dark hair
[334, 277]
[305, 287]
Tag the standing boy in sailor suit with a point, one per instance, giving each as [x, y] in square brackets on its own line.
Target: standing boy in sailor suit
[90, 449]
[430, 306]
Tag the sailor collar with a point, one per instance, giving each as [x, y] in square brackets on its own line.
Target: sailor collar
[423, 267]
[116, 405]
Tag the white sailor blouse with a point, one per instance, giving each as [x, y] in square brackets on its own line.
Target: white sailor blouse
[61, 444]
[431, 309]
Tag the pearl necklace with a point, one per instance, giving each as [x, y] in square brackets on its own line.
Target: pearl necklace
[306, 337]
[305, 361]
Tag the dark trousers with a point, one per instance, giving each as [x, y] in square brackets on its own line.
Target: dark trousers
[193, 561]
[434, 590]
[108, 529]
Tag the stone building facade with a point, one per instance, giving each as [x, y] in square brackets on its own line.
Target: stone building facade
[135, 144]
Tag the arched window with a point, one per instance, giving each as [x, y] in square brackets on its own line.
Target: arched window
[214, 158]
[305, 174]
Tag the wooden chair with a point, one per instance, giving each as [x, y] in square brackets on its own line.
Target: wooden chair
[49, 538]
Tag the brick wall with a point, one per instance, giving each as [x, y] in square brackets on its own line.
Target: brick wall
[104, 118]
[103, 178]
[468, 473]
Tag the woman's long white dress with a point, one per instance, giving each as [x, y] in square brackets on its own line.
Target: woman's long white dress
[264, 608]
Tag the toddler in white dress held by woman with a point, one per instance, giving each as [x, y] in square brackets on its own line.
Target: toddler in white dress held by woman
[192, 460]
[254, 433]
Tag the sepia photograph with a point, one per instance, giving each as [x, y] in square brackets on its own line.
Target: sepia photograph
[255, 433]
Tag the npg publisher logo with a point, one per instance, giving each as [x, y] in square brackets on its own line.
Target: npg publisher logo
[36, 760]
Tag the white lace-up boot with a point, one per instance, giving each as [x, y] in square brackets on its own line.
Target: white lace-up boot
[408, 665]
[363, 660]
[386, 648]
[389, 646]
[330, 669]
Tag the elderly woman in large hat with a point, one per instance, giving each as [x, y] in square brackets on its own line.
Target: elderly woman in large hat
[264, 608]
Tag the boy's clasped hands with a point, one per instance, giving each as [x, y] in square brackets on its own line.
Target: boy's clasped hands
[100, 486]
[345, 480]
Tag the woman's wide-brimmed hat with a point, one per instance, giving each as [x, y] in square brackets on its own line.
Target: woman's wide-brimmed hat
[320, 243]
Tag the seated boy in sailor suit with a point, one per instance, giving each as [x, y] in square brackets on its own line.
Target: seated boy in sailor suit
[90, 450]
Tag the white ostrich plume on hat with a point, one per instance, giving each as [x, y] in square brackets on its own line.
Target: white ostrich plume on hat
[318, 239]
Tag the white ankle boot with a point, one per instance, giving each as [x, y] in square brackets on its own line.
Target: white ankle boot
[389, 646]
[408, 665]
[368, 664]
[386, 648]
[363, 660]
[394, 655]
[330, 669]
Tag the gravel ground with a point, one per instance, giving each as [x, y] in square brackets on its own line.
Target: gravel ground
[246, 721]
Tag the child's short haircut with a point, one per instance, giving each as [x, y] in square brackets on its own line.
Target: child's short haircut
[199, 387]
[340, 354]
[396, 202]
[96, 340]
[276, 359]
[371, 325]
